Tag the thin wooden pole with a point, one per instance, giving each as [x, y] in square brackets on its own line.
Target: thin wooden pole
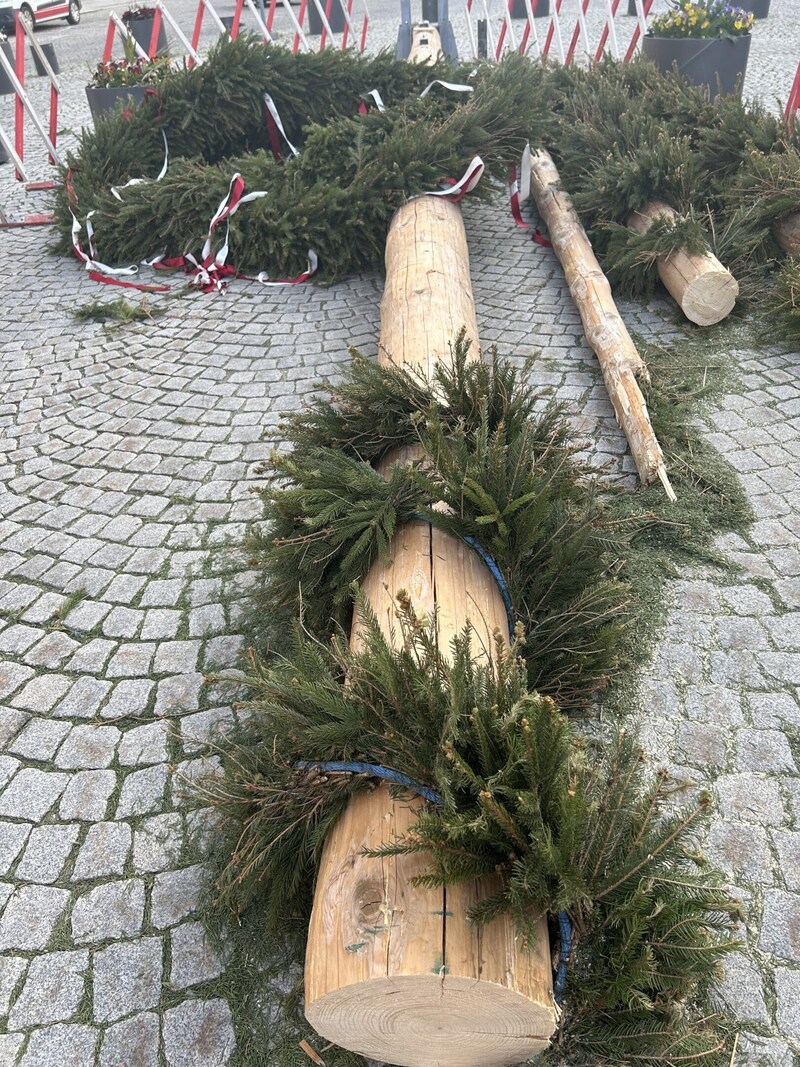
[605, 331]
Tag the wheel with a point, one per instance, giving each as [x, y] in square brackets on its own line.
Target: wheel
[26, 15]
[74, 16]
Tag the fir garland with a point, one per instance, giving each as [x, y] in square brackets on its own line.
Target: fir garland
[570, 824]
[621, 134]
[511, 483]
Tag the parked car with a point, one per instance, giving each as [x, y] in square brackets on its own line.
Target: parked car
[37, 12]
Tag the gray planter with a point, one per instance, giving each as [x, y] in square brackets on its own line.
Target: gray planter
[103, 100]
[142, 30]
[519, 11]
[6, 88]
[717, 63]
[51, 57]
[760, 8]
[335, 19]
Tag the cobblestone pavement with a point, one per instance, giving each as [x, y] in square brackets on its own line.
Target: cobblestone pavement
[126, 460]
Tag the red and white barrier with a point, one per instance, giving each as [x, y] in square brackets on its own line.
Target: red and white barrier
[565, 36]
[324, 10]
[793, 103]
[117, 28]
[23, 108]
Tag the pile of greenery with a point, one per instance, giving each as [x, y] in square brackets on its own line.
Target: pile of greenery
[571, 824]
[621, 134]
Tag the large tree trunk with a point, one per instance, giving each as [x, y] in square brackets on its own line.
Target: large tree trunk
[396, 971]
[787, 234]
[704, 290]
[605, 331]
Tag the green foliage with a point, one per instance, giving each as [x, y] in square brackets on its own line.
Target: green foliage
[511, 482]
[631, 257]
[621, 135]
[119, 311]
[593, 836]
[337, 197]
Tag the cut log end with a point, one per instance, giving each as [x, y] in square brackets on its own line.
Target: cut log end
[787, 234]
[422, 1020]
[710, 297]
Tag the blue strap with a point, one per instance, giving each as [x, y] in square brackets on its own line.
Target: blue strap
[345, 767]
[565, 930]
[498, 577]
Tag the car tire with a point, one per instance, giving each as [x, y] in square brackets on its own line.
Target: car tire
[74, 16]
[26, 14]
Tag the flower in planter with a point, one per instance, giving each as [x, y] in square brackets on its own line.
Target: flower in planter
[702, 18]
[121, 73]
[137, 12]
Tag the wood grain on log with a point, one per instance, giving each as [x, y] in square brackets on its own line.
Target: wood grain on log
[704, 290]
[605, 331]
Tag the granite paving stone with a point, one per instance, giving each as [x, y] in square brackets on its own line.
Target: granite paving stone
[61, 1044]
[53, 990]
[30, 915]
[132, 1042]
[104, 851]
[112, 910]
[127, 978]
[46, 852]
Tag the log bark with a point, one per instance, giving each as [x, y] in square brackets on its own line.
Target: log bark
[704, 290]
[787, 234]
[395, 971]
[605, 331]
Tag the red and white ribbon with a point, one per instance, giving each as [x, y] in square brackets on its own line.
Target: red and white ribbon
[272, 114]
[313, 263]
[376, 96]
[514, 198]
[454, 87]
[101, 272]
[143, 181]
[465, 184]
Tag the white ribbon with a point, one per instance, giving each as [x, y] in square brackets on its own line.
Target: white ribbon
[452, 86]
[143, 181]
[274, 112]
[466, 183]
[525, 175]
[376, 96]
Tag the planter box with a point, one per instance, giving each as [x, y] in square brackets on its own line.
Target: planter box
[50, 55]
[335, 19]
[142, 30]
[518, 10]
[6, 87]
[103, 100]
[760, 8]
[702, 60]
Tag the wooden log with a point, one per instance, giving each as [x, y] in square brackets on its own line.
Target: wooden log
[704, 290]
[787, 234]
[394, 971]
[605, 331]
